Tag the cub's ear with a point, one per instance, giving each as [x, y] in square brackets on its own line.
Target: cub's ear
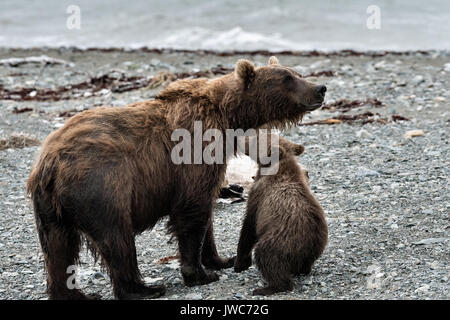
[245, 71]
[273, 60]
[299, 149]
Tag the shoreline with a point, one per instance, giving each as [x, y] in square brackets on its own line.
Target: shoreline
[226, 53]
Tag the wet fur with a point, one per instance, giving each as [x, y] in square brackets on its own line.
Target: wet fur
[284, 223]
[107, 175]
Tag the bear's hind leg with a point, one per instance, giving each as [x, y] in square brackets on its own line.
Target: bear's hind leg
[118, 252]
[60, 245]
[303, 264]
[275, 269]
[61, 252]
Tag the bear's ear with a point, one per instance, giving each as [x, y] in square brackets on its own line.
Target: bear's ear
[273, 61]
[245, 71]
[299, 149]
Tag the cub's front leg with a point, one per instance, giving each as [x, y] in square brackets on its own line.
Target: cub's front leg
[247, 241]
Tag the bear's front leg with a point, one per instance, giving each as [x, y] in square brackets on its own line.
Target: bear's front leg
[190, 228]
[210, 257]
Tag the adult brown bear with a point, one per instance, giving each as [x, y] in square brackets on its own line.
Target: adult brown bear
[107, 174]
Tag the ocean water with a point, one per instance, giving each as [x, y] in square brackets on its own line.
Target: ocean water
[228, 25]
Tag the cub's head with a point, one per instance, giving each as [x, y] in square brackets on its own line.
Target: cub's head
[288, 148]
[276, 94]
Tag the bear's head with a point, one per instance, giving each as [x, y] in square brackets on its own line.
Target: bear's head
[289, 148]
[284, 163]
[276, 95]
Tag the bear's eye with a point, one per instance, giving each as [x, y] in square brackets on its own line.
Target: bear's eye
[288, 78]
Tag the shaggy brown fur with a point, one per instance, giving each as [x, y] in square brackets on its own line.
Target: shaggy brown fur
[107, 174]
[284, 222]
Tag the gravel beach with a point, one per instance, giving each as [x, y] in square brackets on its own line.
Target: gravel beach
[384, 187]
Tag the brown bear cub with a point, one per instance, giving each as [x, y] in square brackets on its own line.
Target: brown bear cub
[284, 222]
[108, 174]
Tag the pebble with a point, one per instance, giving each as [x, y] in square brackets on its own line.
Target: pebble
[238, 295]
[98, 275]
[363, 134]
[413, 133]
[423, 289]
[376, 189]
[418, 79]
[193, 296]
[431, 241]
[447, 67]
[365, 172]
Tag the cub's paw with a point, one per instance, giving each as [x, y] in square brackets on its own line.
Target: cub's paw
[265, 291]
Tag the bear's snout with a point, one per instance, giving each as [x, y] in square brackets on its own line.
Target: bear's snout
[320, 90]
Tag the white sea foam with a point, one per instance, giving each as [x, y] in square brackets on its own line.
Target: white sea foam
[201, 38]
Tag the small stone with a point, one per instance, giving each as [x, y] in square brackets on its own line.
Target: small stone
[172, 265]
[149, 280]
[376, 189]
[380, 65]
[423, 289]
[363, 134]
[413, 133]
[447, 67]
[418, 79]
[430, 241]
[98, 275]
[365, 172]
[104, 91]
[193, 296]
[238, 295]
[395, 185]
